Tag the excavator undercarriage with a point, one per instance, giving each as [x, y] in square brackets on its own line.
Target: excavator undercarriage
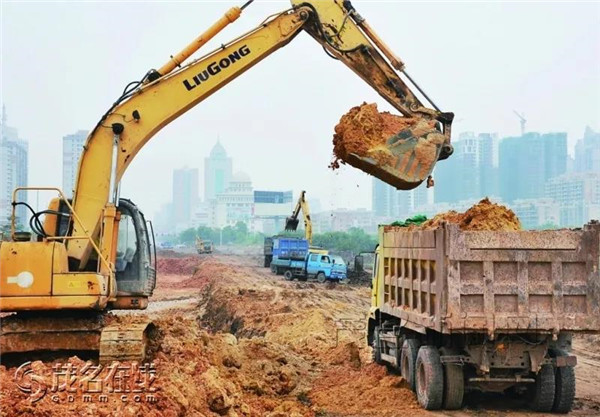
[77, 331]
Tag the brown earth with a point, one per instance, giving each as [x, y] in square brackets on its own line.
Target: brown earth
[365, 131]
[484, 215]
[244, 342]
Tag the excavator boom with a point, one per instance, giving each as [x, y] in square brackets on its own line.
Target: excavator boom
[291, 223]
[160, 98]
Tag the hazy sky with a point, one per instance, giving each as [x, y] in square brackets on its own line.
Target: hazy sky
[64, 63]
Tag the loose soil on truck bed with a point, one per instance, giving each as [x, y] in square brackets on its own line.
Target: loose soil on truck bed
[484, 215]
[235, 340]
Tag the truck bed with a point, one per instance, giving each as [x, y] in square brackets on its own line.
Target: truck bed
[454, 281]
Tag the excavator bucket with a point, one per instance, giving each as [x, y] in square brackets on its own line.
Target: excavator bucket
[291, 223]
[414, 152]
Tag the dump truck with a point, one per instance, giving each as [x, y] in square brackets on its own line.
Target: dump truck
[458, 310]
[284, 250]
[203, 246]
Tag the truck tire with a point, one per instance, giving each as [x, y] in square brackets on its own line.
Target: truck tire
[542, 398]
[408, 361]
[321, 277]
[454, 382]
[376, 354]
[564, 393]
[279, 271]
[288, 275]
[429, 378]
[267, 262]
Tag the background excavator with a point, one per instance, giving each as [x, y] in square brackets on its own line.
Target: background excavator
[291, 223]
[95, 252]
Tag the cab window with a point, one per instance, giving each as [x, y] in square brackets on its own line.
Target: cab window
[127, 244]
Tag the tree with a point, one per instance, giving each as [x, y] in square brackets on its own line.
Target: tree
[187, 236]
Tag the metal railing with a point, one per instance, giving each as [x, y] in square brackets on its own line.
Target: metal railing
[74, 215]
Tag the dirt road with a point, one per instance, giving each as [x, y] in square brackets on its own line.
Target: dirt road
[236, 340]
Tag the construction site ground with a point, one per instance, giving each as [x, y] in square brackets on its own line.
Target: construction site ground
[236, 340]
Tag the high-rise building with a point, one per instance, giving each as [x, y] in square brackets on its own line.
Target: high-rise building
[217, 172]
[459, 177]
[578, 197]
[13, 171]
[389, 202]
[587, 152]
[185, 196]
[72, 149]
[270, 210]
[488, 164]
[235, 204]
[381, 199]
[537, 212]
[528, 161]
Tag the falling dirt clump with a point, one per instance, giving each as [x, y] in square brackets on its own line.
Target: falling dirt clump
[484, 215]
[364, 131]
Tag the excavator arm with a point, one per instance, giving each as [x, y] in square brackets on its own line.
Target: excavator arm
[162, 95]
[291, 223]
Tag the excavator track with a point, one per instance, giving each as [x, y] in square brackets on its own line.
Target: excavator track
[22, 333]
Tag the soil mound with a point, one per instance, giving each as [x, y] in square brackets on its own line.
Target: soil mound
[484, 215]
[177, 266]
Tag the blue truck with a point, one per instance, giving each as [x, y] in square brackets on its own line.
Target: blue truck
[293, 258]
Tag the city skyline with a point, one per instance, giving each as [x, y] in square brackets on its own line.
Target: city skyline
[287, 122]
[486, 161]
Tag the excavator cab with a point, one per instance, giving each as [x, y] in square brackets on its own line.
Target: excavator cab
[135, 261]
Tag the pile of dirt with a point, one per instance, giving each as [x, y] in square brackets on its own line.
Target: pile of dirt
[484, 215]
[177, 266]
[365, 131]
[367, 391]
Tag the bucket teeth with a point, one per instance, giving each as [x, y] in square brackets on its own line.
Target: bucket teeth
[412, 162]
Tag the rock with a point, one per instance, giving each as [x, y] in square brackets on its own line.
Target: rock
[216, 394]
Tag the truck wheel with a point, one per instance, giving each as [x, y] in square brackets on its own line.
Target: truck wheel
[454, 382]
[564, 393]
[408, 361]
[430, 378]
[267, 263]
[376, 355]
[321, 277]
[288, 275]
[542, 399]
[279, 271]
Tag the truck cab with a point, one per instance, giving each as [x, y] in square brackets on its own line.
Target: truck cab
[325, 266]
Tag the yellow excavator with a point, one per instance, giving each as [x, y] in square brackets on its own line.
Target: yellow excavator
[291, 223]
[94, 253]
